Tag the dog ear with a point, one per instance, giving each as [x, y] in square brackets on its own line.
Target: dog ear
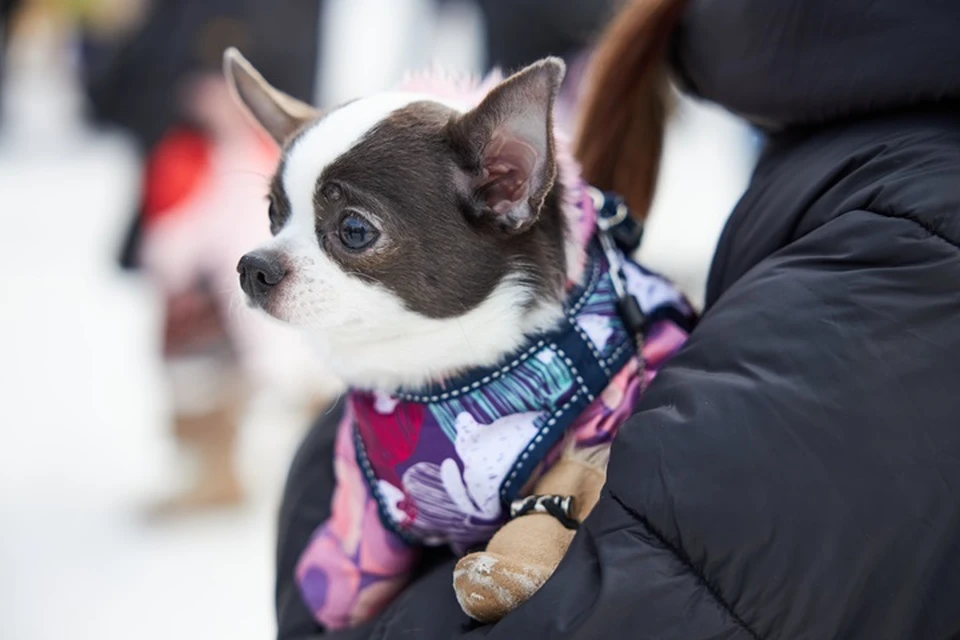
[506, 145]
[279, 114]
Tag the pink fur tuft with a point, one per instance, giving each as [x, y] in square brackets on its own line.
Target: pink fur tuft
[463, 89]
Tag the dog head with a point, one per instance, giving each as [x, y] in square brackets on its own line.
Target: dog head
[413, 237]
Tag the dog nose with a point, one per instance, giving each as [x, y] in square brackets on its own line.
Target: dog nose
[259, 274]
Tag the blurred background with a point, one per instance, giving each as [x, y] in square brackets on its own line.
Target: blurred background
[146, 418]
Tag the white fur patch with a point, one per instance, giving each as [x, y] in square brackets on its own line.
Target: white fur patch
[379, 343]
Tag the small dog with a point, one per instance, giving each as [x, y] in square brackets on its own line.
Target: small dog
[442, 249]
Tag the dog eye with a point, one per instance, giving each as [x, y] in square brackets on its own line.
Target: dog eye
[356, 233]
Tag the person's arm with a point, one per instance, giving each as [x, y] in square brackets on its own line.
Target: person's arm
[792, 473]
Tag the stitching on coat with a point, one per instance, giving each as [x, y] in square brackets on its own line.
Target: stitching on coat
[684, 559]
[909, 217]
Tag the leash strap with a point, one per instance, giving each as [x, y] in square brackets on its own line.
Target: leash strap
[560, 507]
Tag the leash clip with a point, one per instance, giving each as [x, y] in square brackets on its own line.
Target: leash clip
[613, 215]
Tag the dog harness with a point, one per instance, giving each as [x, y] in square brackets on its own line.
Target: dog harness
[443, 464]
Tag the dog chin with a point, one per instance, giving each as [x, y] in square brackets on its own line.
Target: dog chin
[268, 307]
[412, 351]
[304, 319]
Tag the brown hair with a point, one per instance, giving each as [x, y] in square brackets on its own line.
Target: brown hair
[625, 106]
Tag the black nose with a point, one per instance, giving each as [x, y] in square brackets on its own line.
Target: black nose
[259, 273]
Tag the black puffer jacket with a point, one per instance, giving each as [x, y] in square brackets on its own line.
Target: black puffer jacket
[795, 471]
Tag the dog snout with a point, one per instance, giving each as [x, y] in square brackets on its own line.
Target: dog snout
[259, 273]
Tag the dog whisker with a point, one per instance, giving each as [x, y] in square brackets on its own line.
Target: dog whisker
[361, 276]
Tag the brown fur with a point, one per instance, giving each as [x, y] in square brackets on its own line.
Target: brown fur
[428, 219]
[625, 107]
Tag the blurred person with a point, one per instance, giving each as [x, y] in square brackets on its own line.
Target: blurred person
[203, 204]
[135, 81]
[792, 473]
[28, 19]
[203, 190]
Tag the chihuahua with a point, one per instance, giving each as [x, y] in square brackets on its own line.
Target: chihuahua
[441, 248]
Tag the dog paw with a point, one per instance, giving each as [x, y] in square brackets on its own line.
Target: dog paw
[489, 585]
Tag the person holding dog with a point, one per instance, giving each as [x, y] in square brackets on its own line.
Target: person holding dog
[793, 471]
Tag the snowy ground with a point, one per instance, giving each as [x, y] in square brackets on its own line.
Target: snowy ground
[82, 439]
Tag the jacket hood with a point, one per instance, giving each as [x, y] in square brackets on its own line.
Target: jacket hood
[782, 63]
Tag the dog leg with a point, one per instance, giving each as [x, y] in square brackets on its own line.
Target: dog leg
[526, 550]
